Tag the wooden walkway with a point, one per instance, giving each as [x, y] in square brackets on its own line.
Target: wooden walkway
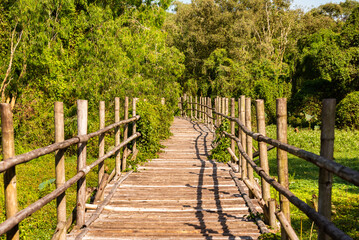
[180, 195]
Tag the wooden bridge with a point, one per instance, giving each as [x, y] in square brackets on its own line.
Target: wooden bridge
[182, 194]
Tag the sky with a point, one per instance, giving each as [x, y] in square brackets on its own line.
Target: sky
[305, 4]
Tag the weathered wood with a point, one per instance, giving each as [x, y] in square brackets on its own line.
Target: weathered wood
[191, 106]
[341, 171]
[242, 118]
[263, 158]
[21, 215]
[326, 150]
[134, 124]
[286, 225]
[101, 188]
[233, 112]
[282, 160]
[259, 221]
[60, 165]
[26, 157]
[8, 149]
[248, 123]
[81, 162]
[176, 194]
[101, 143]
[117, 137]
[125, 135]
[163, 101]
[321, 221]
[272, 218]
[196, 108]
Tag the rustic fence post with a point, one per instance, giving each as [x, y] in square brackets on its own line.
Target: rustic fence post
[196, 108]
[125, 135]
[243, 135]
[326, 150]
[134, 126]
[81, 161]
[180, 105]
[233, 126]
[263, 157]
[8, 148]
[117, 137]
[163, 101]
[227, 107]
[248, 124]
[60, 165]
[101, 142]
[191, 104]
[210, 112]
[207, 112]
[282, 159]
[272, 218]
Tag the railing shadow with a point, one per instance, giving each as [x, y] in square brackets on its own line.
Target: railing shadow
[222, 217]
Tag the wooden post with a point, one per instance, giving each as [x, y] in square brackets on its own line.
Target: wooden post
[227, 107]
[117, 137]
[233, 146]
[210, 113]
[326, 150]
[163, 101]
[196, 108]
[8, 148]
[272, 217]
[81, 161]
[191, 106]
[239, 136]
[248, 124]
[125, 135]
[263, 157]
[223, 108]
[207, 111]
[282, 159]
[180, 104]
[60, 166]
[243, 135]
[201, 113]
[134, 126]
[101, 142]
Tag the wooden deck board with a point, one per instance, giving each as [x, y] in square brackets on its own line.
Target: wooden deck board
[179, 195]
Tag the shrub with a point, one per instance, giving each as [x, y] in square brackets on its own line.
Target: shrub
[348, 111]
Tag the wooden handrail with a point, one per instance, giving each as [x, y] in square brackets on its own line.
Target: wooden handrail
[319, 219]
[26, 157]
[341, 171]
[26, 212]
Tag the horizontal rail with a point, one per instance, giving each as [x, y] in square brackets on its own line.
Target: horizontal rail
[321, 221]
[26, 212]
[26, 157]
[341, 171]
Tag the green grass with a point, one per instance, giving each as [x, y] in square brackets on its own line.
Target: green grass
[303, 178]
[42, 224]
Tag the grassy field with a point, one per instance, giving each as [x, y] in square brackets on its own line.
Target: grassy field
[303, 179]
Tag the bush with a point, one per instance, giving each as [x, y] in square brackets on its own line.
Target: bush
[220, 153]
[348, 111]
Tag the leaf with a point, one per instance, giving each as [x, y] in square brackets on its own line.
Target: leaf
[46, 183]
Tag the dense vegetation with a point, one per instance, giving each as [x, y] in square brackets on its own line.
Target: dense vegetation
[264, 49]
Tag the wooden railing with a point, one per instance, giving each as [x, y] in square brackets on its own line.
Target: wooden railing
[14, 217]
[204, 111]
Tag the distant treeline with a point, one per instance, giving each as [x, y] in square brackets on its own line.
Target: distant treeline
[266, 49]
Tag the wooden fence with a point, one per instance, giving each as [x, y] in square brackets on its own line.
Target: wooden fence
[14, 217]
[201, 109]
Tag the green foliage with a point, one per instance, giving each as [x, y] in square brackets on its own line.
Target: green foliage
[154, 126]
[220, 153]
[348, 111]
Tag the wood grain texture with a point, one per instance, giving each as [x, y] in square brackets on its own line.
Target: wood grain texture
[180, 195]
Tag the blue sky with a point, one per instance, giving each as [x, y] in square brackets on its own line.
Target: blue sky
[305, 4]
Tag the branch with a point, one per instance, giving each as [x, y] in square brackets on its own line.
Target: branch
[12, 53]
